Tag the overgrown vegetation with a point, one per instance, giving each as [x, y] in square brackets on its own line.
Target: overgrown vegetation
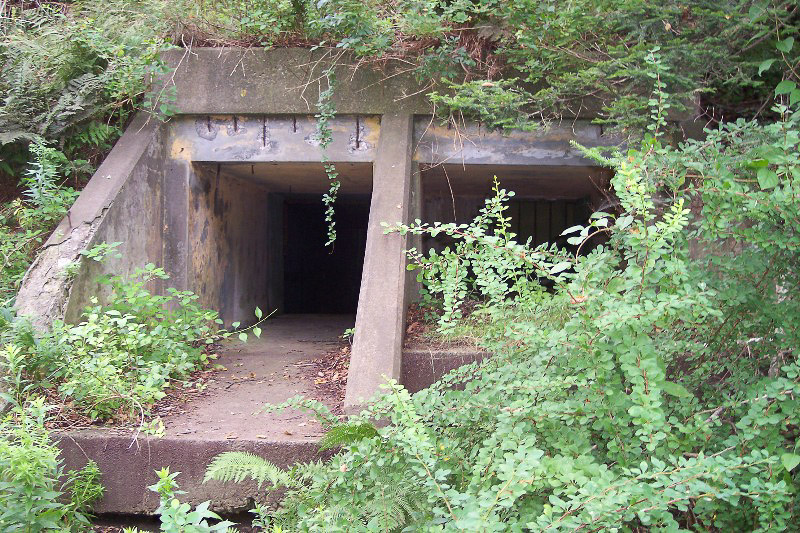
[654, 388]
[73, 72]
[120, 359]
[36, 494]
[26, 221]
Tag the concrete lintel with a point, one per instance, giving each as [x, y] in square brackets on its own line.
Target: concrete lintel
[261, 138]
[380, 321]
[473, 144]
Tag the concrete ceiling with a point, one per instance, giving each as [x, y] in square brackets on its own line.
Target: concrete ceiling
[541, 182]
[301, 178]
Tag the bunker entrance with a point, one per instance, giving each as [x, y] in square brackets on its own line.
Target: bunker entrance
[257, 237]
[323, 279]
[546, 201]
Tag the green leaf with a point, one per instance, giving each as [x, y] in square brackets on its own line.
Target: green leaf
[624, 221]
[675, 389]
[785, 87]
[767, 178]
[560, 267]
[790, 461]
[243, 336]
[572, 229]
[236, 325]
[257, 332]
[765, 65]
[259, 314]
[785, 45]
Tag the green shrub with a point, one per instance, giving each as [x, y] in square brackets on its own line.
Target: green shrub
[25, 222]
[655, 387]
[121, 356]
[177, 517]
[36, 494]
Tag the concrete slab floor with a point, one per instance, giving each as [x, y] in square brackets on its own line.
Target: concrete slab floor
[261, 371]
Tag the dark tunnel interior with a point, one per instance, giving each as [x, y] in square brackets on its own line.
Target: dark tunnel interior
[317, 278]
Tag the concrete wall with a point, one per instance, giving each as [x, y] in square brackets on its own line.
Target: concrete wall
[228, 244]
[122, 202]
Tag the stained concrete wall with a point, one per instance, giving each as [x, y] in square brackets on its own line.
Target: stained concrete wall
[229, 231]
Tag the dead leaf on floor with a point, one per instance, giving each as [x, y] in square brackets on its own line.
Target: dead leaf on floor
[287, 432]
[261, 437]
[231, 436]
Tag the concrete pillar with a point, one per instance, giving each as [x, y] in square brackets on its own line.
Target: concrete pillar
[380, 320]
[176, 251]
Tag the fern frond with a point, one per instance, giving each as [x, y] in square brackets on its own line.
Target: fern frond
[391, 509]
[239, 466]
[344, 434]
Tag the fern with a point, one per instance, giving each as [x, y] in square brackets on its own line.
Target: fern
[239, 466]
[344, 434]
[391, 509]
[321, 412]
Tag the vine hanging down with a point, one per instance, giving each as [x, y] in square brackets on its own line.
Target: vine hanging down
[326, 110]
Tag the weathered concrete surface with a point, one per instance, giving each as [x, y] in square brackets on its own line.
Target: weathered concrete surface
[252, 139]
[301, 178]
[286, 81]
[380, 321]
[421, 368]
[472, 144]
[129, 466]
[270, 369]
[120, 203]
[227, 245]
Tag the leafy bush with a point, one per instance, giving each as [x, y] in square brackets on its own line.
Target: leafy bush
[121, 356]
[654, 387]
[177, 517]
[35, 492]
[47, 199]
[68, 69]
[24, 223]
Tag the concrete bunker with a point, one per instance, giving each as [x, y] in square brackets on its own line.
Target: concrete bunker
[226, 197]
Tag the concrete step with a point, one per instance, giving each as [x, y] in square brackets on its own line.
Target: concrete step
[128, 465]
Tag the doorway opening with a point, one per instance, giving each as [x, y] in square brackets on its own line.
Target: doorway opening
[257, 235]
[547, 200]
[323, 279]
